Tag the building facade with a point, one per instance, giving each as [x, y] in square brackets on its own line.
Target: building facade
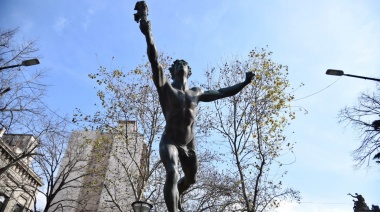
[18, 183]
[110, 169]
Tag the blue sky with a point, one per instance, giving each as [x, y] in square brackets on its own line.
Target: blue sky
[76, 37]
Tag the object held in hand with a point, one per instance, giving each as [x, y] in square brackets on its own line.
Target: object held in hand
[142, 11]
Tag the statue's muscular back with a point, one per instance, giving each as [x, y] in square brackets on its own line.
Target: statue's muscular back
[179, 108]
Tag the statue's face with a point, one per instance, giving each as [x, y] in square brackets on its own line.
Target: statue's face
[181, 69]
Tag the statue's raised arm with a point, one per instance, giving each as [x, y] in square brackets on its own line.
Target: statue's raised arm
[145, 27]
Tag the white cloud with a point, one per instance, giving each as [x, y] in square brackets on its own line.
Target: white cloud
[60, 24]
[87, 21]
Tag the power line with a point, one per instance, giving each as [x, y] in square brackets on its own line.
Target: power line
[326, 203]
[317, 91]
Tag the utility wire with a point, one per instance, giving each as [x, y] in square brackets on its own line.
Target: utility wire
[77, 125]
[326, 203]
[317, 91]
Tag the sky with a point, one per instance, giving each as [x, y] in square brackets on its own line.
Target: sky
[76, 37]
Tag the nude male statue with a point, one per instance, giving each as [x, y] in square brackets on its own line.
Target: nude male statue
[179, 105]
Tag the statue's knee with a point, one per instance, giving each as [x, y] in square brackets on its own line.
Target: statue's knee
[172, 173]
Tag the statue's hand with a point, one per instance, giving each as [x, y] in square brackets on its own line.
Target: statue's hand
[248, 76]
[145, 27]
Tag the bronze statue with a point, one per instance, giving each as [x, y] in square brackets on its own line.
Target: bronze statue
[360, 203]
[179, 105]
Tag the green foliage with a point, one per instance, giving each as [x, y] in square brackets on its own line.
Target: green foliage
[126, 96]
[253, 123]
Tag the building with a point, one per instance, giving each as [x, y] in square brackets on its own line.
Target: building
[107, 173]
[18, 183]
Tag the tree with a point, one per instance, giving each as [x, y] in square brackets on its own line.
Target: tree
[212, 191]
[252, 124]
[51, 146]
[21, 91]
[60, 166]
[133, 96]
[363, 118]
[23, 111]
[127, 96]
[21, 106]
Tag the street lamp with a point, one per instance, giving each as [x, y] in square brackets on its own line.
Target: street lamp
[2, 92]
[30, 62]
[375, 124]
[140, 206]
[341, 73]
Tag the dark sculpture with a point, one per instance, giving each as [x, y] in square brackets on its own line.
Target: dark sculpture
[360, 203]
[179, 106]
[376, 125]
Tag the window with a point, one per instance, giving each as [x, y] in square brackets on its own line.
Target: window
[3, 202]
[18, 208]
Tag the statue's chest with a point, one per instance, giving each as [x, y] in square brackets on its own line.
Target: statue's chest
[185, 99]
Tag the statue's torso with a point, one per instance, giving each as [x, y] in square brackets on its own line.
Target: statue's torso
[179, 108]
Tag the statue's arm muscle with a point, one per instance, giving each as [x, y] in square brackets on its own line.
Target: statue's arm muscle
[212, 95]
[158, 73]
[145, 27]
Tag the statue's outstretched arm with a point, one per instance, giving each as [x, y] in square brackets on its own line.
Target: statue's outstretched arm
[212, 95]
[145, 27]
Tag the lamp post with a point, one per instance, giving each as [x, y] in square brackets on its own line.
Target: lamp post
[376, 123]
[30, 62]
[140, 206]
[2, 92]
[341, 73]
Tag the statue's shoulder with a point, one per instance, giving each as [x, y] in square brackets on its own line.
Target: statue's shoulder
[197, 90]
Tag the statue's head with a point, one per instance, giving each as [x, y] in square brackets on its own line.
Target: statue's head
[172, 68]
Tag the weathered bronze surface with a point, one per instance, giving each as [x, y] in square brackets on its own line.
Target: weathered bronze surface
[179, 105]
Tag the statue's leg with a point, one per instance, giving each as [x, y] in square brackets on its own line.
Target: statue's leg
[189, 165]
[190, 168]
[169, 157]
